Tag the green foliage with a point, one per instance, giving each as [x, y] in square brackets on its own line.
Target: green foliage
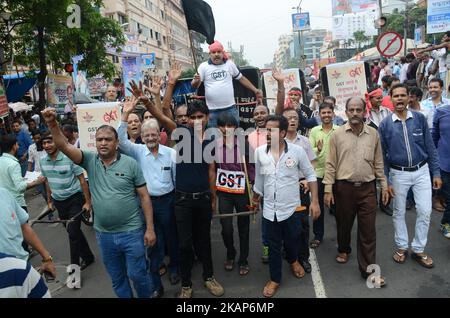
[188, 73]
[414, 16]
[60, 42]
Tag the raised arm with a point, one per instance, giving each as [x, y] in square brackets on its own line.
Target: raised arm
[165, 121]
[279, 77]
[60, 141]
[174, 76]
[125, 144]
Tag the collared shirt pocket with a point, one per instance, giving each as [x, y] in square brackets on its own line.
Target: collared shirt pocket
[369, 155]
[166, 173]
[418, 136]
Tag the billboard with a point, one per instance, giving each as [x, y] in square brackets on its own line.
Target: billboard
[301, 22]
[341, 7]
[438, 16]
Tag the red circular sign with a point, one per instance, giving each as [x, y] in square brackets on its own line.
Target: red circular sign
[389, 44]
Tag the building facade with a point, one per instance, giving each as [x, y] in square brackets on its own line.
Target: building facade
[151, 26]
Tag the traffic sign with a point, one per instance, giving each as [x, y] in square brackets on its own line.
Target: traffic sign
[389, 44]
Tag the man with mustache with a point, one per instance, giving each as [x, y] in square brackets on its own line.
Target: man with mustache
[158, 165]
[409, 155]
[353, 164]
[117, 185]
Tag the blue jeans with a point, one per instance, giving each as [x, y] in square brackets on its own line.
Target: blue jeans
[446, 193]
[123, 255]
[166, 233]
[214, 114]
[420, 183]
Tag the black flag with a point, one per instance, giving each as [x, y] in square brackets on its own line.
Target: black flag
[199, 17]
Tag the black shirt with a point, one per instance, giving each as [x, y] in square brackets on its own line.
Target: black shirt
[191, 168]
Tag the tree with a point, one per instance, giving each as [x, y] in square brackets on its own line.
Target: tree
[414, 16]
[360, 38]
[43, 36]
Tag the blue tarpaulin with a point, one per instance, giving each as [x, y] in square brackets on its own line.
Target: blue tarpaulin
[182, 89]
[17, 85]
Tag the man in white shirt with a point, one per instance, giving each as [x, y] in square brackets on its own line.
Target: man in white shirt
[218, 74]
[278, 165]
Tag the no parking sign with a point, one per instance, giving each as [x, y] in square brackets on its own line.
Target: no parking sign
[389, 44]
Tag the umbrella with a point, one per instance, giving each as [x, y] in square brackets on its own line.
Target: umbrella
[20, 106]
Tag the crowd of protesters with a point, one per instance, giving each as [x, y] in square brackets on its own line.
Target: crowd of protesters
[155, 183]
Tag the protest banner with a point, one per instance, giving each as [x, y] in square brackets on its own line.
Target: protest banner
[131, 71]
[92, 116]
[292, 79]
[60, 93]
[346, 80]
[3, 100]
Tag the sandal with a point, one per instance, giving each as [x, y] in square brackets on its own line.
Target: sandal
[314, 243]
[297, 270]
[400, 256]
[424, 260]
[229, 265]
[243, 270]
[270, 289]
[342, 258]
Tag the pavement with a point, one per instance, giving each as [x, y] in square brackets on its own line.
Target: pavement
[328, 279]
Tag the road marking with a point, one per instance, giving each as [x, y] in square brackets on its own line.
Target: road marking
[319, 287]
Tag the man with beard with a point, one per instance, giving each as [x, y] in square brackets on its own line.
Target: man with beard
[278, 164]
[66, 191]
[158, 165]
[353, 164]
[409, 156]
[117, 185]
[218, 74]
[294, 137]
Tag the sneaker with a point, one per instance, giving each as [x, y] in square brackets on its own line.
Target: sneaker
[214, 287]
[186, 292]
[445, 230]
[265, 254]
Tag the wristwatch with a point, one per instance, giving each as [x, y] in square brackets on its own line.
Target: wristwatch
[47, 260]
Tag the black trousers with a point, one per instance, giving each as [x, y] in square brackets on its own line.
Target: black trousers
[193, 218]
[79, 247]
[228, 202]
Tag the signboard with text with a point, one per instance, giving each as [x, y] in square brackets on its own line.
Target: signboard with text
[346, 80]
[92, 116]
[301, 22]
[438, 16]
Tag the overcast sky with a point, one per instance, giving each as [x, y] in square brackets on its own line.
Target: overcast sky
[257, 24]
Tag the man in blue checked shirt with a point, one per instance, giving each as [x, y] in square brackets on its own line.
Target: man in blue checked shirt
[158, 165]
[409, 156]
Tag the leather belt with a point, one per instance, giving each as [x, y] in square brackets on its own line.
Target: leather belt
[193, 196]
[413, 168]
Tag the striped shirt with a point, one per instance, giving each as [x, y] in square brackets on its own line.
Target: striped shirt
[19, 280]
[61, 175]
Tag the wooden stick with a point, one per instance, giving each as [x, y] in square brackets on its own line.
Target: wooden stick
[220, 216]
[248, 185]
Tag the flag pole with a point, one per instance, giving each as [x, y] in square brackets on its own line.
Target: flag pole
[193, 51]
